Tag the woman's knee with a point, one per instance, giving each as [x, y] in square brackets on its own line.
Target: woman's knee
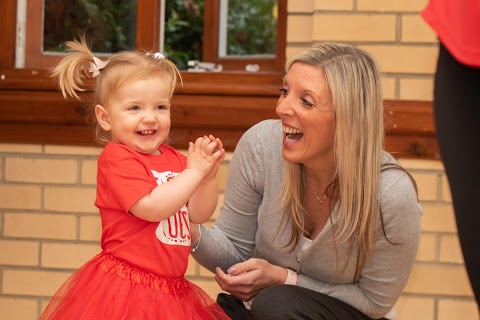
[276, 302]
[293, 302]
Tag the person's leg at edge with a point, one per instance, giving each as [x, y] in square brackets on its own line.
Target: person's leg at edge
[298, 303]
[233, 307]
[457, 114]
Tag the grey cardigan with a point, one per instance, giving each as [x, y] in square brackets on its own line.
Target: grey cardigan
[250, 225]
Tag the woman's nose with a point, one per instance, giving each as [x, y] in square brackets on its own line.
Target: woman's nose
[284, 107]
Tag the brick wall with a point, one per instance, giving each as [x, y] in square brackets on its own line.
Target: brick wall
[392, 30]
[49, 227]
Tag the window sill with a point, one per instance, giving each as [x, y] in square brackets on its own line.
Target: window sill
[221, 103]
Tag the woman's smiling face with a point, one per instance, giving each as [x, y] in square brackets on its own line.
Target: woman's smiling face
[305, 107]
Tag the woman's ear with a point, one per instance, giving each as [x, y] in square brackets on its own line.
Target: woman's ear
[102, 117]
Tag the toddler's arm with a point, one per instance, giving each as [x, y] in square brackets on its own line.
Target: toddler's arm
[203, 202]
[167, 198]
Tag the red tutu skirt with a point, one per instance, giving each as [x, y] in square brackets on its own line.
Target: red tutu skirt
[106, 288]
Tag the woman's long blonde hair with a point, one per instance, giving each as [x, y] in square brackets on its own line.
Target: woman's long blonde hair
[354, 81]
[120, 69]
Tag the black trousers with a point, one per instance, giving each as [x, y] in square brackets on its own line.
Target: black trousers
[286, 302]
[457, 119]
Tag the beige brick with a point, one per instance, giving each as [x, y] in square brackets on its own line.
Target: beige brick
[391, 5]
[300, 6]
[405, 58]
[457, 309]
[439, 280]
[204, 272]
[299, 29]
[410, 308]
[228, 157]
[446, 193]
[20, 197]
[427, 185]
[415, 29]
[18, 309]
[40, 170]
[21, 148]
[438, 218]
[32, 283]
[89, 172]
[18, 253]
[210, 287]
[44, 303]
[421, 164]
[90, 228]
[416, 89]
[67, 256]
[40, 225]
[70, 199]
[428, 248]
[332, 5]
[450, 250]
[353, 27]
[73, 150]
[388, 87]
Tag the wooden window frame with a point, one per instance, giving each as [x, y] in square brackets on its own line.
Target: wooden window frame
[211, 34]
[148, 15]
[33, 111]
[146, 36]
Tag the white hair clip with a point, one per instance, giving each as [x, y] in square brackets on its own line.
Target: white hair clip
[157, 55]
[96, 66]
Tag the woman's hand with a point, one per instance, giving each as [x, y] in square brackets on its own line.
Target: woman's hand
[245, 280]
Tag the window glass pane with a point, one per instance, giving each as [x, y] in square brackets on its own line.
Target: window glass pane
[183, 34]
[249, 28]
[110, 24]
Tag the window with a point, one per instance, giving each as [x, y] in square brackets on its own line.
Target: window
[235, 12]
[232, 33]
[139, 27]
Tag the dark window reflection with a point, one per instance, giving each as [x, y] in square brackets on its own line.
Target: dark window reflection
[109, 24]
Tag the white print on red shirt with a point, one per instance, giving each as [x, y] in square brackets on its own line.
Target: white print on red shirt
[175, 230]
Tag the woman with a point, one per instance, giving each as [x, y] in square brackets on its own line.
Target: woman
[457, 113]
[313, 202]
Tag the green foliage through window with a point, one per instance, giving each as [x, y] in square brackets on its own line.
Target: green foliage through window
[111, 24]
[252, 27]
[183, 36]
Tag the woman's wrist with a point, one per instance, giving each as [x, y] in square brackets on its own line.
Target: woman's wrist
[292, 277]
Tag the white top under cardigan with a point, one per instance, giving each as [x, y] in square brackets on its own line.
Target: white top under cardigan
[249, 225]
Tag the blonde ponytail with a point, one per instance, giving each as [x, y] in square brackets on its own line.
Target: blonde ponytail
[75, 67]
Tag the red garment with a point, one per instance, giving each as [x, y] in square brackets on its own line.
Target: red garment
[457, 25]
[140, 272]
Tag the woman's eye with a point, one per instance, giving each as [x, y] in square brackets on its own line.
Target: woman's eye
[283, 91]
[307, 103]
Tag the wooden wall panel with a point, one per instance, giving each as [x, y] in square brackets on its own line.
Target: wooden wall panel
[32, 110]
[8, 8]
